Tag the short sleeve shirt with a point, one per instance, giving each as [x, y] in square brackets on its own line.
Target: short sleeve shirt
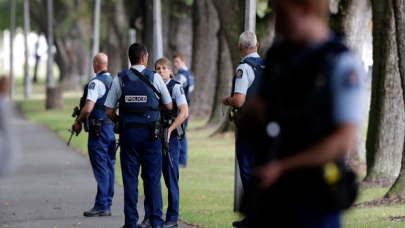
[182, 79]
[347, 89]
[96, 90]
[245, 76]
[115, 92]
[178, 94]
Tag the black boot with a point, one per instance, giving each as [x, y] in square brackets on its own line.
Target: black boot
[96, 213]
[145, 224]
[240, 224]
[170, 224]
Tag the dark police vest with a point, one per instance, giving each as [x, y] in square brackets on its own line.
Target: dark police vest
[190, 82]
[257, 65]
[138, 103]
[297, 91]
[99, 108]
[175, 110]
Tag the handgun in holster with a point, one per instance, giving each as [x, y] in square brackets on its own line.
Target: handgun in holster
[232, 114]
[155, 126]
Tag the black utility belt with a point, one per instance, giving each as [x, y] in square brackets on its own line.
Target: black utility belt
[94, 125]
[154, 128]
[139, 125]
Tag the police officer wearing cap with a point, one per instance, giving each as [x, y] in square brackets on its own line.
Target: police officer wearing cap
[303, 122]
[101, 142]
[246, 79]
[141, 94]
[186, 78]
[170, 168]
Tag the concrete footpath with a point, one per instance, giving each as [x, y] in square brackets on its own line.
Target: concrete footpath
[53, 186]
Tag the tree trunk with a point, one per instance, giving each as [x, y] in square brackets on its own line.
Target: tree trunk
[356, 26]
[117, 36]
[178, 30]
[147, 35]
[398, 188]
[12, 32]
[231, 15]
[71, 41]
[205, 55]
[386, 131]
[224, 84]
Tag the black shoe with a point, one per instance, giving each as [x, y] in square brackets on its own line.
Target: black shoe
[157, 226]
[125, 226]
[96, 213]
[240, 224]
[145, 224]
[170, 224]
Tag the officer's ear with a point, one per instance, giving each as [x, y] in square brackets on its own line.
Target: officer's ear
[240, 47]
[257, 44]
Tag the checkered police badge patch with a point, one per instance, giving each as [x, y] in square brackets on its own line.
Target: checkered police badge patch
[92, 86]
[239, 73]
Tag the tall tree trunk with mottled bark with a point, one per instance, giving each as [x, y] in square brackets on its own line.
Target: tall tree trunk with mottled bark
[205, 56]
[385, 129]
[398, 188]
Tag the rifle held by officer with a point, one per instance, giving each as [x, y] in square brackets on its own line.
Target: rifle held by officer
[165, 135]
[76, 113]
[116, 149]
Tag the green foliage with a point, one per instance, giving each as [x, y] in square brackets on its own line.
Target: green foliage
[262, 8]
[336, 20]
[5, 10]
[178, 8]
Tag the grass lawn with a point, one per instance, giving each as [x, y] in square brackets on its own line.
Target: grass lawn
[206, 185]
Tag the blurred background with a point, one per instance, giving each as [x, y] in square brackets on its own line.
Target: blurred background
[47, 52]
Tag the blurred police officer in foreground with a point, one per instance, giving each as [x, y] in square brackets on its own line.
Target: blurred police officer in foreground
[246, 79]
[170, 169]
[303, 122]
[186, 78]
[101, 142]
[141, 94]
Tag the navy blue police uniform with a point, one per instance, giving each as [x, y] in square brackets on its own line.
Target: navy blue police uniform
[101, 145]
[309, 92]
[140, 144]
[246, 81]
[186, 78]
[171, 174]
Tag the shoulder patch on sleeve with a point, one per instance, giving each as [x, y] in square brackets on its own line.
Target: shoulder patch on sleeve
[181, 90]
[92, 85]
[239, 73]
[352, 79]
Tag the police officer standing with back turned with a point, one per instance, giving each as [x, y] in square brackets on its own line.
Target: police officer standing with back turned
[101, 142]
[141, 94]
[186, 78]
[304, 121]
[245, 80]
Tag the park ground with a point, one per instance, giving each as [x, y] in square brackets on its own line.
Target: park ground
[206, 184]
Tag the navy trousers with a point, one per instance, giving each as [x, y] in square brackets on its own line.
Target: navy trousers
[330, 221]
[100, 151]
[171, 177]
[246, 161]
[183, 146]
[137, 150]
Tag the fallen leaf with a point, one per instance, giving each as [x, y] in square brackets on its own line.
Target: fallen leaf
[87, 197]
[74, 191]
[74, 225]
[63, 204]
[7, 203]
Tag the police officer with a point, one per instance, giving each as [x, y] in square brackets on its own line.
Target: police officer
[186, 78]
[163, 66]
[141, 94]
[306, 115]
[246, 78]
[101, 142]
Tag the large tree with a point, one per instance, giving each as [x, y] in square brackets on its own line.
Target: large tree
[398, 188]
[386, 120]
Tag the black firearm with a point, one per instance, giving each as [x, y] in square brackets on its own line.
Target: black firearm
[116, 149]
[76, 113]
[167, 122]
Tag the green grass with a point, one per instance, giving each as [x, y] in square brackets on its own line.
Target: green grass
[206, 185]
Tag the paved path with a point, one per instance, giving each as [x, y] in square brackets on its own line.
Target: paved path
[53, 186]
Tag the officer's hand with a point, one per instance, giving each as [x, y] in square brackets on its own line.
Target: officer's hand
[224, 100]
[77, 127]
[269, 174]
